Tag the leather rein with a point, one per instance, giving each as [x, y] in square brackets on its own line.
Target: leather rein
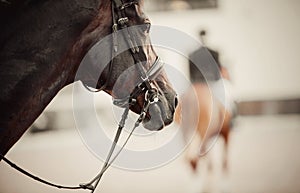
[120, 21]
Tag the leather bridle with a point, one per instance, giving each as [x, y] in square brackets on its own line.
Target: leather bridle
[120, 21]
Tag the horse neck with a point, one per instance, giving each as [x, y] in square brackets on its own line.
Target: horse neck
[99, 27]
[35, 70]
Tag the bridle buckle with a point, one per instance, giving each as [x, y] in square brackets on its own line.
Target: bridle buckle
[151, 96]
[123, 21]
[115, 27]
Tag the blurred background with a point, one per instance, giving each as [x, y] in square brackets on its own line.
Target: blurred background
[258, 42]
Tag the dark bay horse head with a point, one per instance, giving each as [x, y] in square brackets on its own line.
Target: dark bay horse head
[124, 62]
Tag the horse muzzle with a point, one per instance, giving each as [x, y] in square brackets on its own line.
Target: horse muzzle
[160, 113]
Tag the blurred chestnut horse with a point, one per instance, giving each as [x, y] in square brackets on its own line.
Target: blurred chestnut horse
[213, 117]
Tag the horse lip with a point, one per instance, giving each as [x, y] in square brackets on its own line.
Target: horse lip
[148, 125]
[157, 118]
[154, 120]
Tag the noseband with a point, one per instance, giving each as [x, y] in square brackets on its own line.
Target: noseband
[120, 21]
[145, 86]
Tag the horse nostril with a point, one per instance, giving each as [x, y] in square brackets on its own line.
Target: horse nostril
[176, 101]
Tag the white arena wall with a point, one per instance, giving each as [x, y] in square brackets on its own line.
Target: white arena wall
[258, 41]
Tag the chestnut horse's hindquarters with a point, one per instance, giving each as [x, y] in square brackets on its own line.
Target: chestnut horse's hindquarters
[213, 120]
